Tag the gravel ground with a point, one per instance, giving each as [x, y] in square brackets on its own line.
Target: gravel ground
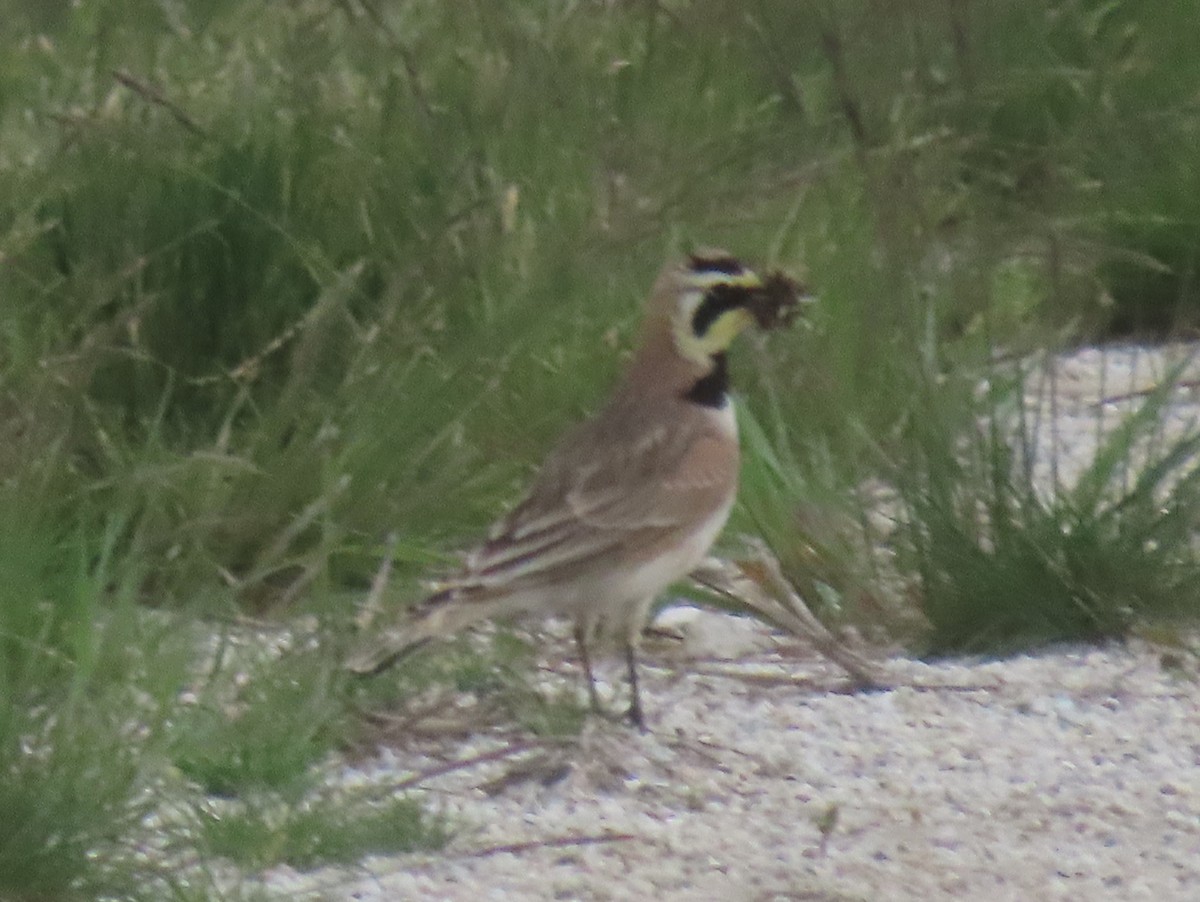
[1069, 775]
[1073, 774]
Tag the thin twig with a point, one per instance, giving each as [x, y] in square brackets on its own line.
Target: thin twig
[406, 58]
[831, 44]
[558, 842]
[780, 70]
[758, 678]
[271, 559]
[154, 95]
[374, 601]
[776, 600]
[1142, 393]
[449, 767]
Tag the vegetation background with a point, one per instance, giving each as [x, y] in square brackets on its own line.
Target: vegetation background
[288, 289]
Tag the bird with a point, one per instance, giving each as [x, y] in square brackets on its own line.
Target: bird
[631, 499]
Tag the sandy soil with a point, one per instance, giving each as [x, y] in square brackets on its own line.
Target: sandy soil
[1068, 775]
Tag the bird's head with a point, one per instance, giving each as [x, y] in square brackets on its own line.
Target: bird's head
[711, 297]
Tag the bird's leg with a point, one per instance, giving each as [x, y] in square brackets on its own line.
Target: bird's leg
[635, 701]
[586, 660]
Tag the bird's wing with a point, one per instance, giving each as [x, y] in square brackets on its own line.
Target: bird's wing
[623, 505]
[622, 502]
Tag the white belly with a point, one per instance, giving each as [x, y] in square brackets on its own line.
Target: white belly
[616, 606]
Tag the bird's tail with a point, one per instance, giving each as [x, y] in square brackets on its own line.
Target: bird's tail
[439, 615]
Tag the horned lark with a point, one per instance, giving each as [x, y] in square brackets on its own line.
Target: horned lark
[633, 498]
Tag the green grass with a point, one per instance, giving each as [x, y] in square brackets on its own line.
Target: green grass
[317, 832]
[264, 730]
[279, 281]
[87, 681]
[1002, 561]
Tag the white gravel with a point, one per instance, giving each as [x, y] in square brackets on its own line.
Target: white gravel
[1073, 774]
[1069, 775]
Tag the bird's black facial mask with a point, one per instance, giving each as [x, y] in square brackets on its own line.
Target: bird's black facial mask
[718, 300]
[772, 304]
